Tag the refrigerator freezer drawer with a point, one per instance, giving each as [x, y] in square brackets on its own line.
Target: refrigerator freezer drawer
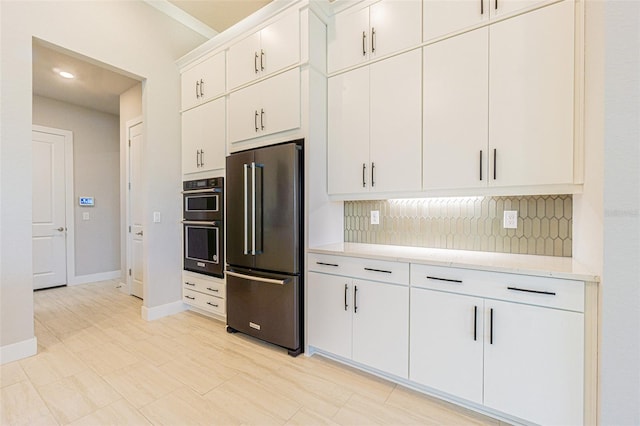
[265, 308]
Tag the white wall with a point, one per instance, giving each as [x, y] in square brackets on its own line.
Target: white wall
[620, 355]
[129, 36]
[130, 108]
[96, 173]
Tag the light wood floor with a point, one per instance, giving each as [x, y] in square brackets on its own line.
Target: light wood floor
[99, 363]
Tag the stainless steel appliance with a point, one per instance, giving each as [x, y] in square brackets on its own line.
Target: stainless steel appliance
[203, 214]
[265, 244]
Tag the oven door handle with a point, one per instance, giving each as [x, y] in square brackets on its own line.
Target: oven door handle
[201, 222]
[254, 278]
[202, 191]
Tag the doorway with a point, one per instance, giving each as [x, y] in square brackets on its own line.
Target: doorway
[52, 212]
[135, 236]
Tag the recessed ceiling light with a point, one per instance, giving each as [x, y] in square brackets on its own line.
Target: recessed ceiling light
[66, 74]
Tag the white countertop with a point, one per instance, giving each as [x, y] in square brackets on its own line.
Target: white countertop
[544, 266]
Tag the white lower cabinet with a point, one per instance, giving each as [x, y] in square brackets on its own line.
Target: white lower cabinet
[204, 293]
[522, 356]
[363, 320]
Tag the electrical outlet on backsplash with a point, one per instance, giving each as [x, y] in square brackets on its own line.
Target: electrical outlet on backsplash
[544, 223]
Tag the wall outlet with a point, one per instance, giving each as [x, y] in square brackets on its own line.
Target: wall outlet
[510, 219]
[375, 217]
[156, 217]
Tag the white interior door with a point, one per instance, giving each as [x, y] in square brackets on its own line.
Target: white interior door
[136, 233]
[49, 221]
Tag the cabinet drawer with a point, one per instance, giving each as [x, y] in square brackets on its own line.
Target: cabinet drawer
[541, 291]
[203, 301]
[211, 287]
[370, 269]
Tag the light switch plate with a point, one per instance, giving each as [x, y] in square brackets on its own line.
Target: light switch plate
[510, 219]
[156, 217]
[375, 217]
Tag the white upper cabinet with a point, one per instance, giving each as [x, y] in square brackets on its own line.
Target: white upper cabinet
[264, 108]
[374, 130]
[265, 52]
[499, 104]
[358, 35]
[203, 82]
[456, 112]
[203, 137]
[442, 17]
[531, 97]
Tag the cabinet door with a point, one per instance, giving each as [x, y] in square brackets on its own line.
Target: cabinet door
[456, 112]
[395, 130]
[203, 137]
[203, 81]
[381, 326]
[329, 313]
[280, 43]
[191, 138]
[395, 25]
[531, 70]
[244, 113]
[534, 363]
[348, 39]
[280, 103]
[212, 142]
[442, 17]
[243, 61]
[446, 342]
[348, 131]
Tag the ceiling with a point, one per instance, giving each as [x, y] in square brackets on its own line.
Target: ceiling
[98, 86]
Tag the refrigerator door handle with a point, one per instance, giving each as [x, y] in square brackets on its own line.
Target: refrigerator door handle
[253, 208]
[260, 279]
[246, 213]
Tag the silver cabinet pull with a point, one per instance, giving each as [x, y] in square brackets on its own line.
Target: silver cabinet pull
[198, 158]
[449, 280]
[190, 298]
[253, 208]
[475, 323]
[364, 172]
[255, 120]
[202, 88]
[355, 299]
[495, 164]
[378, 270]
[202, 158]
[262, 118]
[255, 62]
[373, 167]
[245, 168]
[212, 304]
[364, 43]
[197, 90]
[60, 229]
[215, 290]
[327, 264]
[261, 60]
[346, 287]
[373, 39]
[480, 164]
[491, 327]
[260, 279]
[191, 284]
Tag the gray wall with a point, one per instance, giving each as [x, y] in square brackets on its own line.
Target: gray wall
[96, 173]
[620, 354]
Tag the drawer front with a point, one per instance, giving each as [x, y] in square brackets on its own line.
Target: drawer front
[369, 269]
[540, 291]
[212, 287]
[205, 302]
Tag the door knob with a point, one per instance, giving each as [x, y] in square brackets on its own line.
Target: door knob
[139, 233]
[60, 229]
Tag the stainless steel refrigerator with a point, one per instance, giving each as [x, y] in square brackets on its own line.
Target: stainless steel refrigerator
[264, 225]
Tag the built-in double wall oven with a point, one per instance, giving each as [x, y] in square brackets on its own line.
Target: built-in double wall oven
[203, 220]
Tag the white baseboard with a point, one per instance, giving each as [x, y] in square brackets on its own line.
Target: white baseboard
[93, 278]
[162, 311]
[16, 351]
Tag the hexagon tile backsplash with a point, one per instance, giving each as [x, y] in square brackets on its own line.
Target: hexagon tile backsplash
[469, 223]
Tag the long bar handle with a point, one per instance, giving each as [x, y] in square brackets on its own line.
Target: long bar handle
[364, 43]
[373, 168]
[373, 39]
[260, 279]
[495, 164]
[215, 290]
[201, 88]
[449, 280]
[255, 62]
[202, 158]
[262, 118]
[481, 7]
[346, 287]
[197, 90]
[480, 164]
[364, 172]
[355, 299]
[491, 326]
[215, 305]
[255, 120]
[526, 290]
[201, 222]
[245, 168]
[378, 270]
[201, 191]
[475, 323]
[327, 264]
[198, 158]
[253, 208]
[262, 59]
[496, 5]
